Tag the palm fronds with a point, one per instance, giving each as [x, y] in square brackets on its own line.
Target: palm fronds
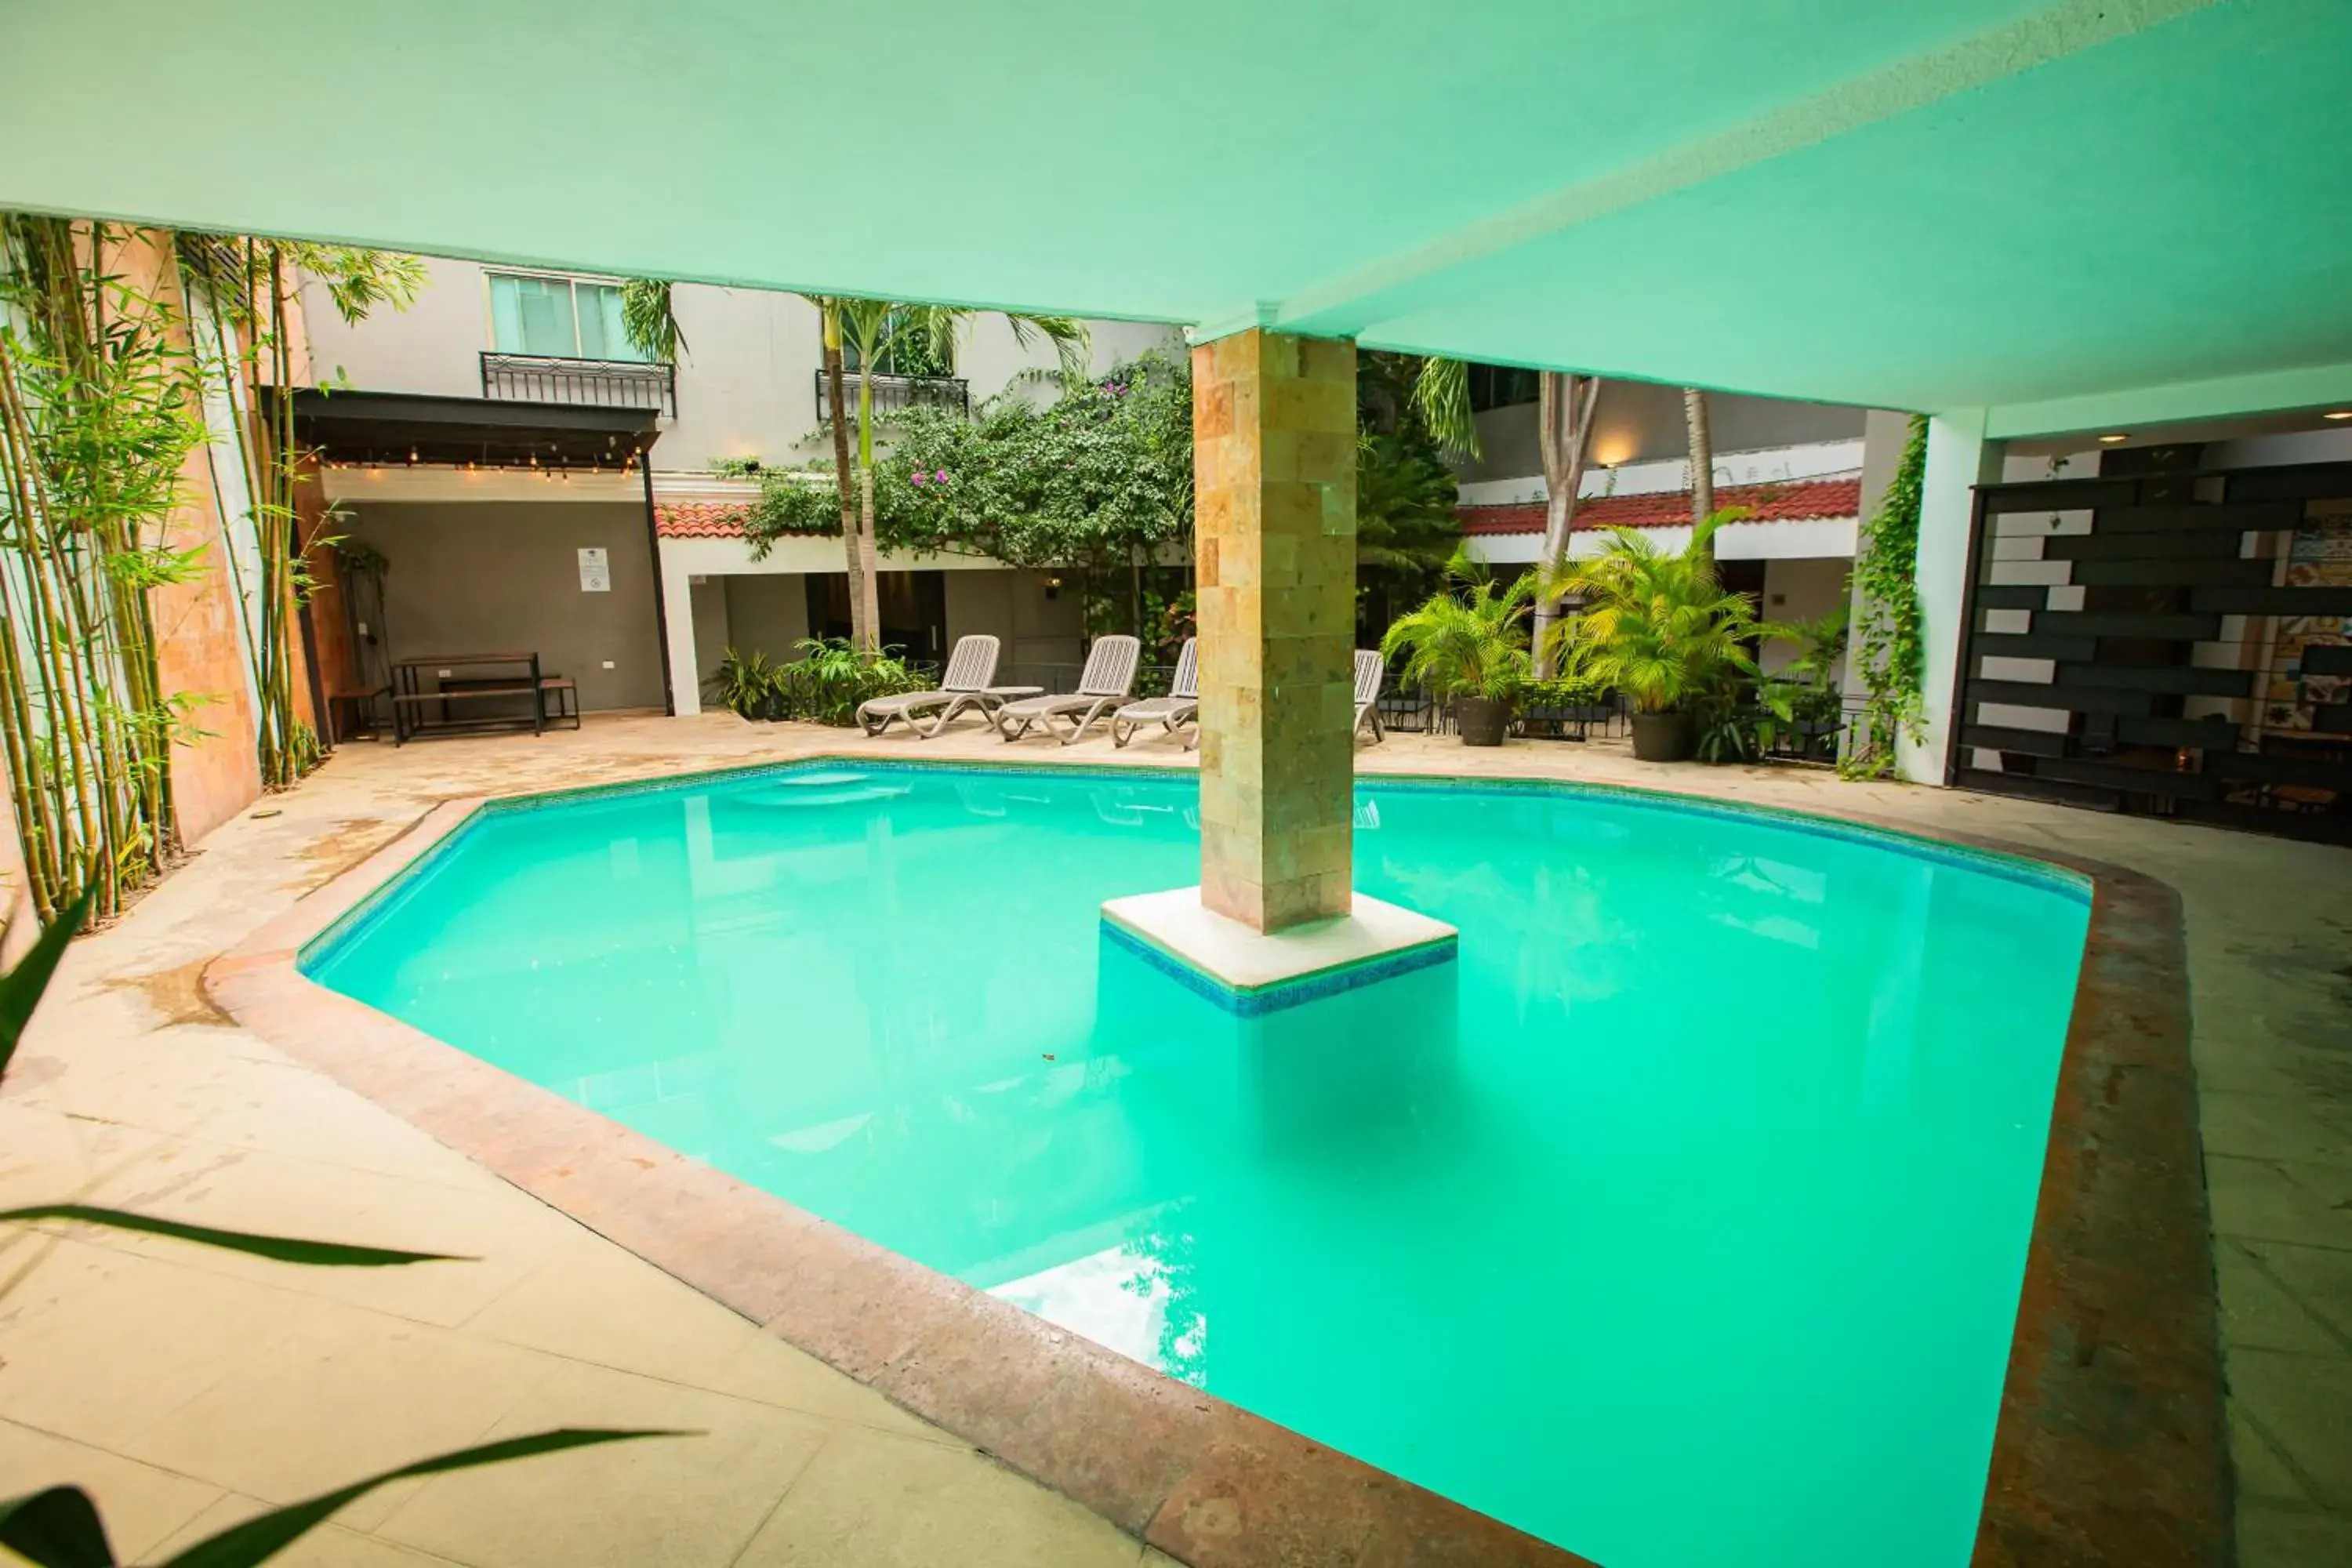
[1656, 624]
[1441, 396]
[649, 320]
[1472, 644]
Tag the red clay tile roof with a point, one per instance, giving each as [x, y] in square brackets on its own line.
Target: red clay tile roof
[699, 519]
[1793, 500]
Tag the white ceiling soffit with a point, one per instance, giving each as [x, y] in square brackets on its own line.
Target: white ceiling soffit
[1964, 203]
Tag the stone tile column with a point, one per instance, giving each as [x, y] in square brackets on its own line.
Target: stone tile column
[1274, 430]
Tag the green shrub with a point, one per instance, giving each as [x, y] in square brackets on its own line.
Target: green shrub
[1467, 643]
[827, 683]
[1565, 692]
[744, 682]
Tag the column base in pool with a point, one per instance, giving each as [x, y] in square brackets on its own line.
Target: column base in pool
[1250, 972]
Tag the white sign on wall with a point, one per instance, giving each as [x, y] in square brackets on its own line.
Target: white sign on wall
[595, 572]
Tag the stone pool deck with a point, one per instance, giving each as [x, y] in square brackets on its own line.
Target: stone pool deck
[184, 1385]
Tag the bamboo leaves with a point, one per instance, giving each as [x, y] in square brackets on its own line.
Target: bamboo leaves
[98, 417]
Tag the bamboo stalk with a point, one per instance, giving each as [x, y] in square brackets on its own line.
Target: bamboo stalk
[86, 472]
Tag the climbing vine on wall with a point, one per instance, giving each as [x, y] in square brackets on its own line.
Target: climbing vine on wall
[1886, 647]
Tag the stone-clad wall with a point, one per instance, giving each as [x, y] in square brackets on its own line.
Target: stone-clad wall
[1274, 422]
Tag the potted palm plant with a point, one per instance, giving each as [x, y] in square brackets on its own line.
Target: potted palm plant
[1471, 648]
[1657, 626]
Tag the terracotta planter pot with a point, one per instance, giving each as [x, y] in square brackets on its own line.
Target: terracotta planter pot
[1662, 737]
[1483, 721]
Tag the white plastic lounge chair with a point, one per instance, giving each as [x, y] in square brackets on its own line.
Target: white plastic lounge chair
[1369, 669]
[970, 667]
[1108, 677]
[1181, 703]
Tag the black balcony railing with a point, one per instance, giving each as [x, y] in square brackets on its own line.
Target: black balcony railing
[894, 393]
[595, 382]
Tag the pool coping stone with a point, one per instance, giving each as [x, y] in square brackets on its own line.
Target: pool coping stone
[2110, 1445]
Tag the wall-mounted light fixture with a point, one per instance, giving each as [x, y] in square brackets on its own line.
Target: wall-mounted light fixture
[1053, 587]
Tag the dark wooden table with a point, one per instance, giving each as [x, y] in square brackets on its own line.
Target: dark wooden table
[465, 677]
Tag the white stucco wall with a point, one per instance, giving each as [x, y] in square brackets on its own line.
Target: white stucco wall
[746, 381]
[1013, 606]
[766, 614]
[1809, 539]
[712, 632]
[1800, 589]
[1763, 465]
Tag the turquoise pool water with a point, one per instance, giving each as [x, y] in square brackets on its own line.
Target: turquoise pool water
[1681, 1222]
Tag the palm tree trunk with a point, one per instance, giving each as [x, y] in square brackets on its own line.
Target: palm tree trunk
[1702, 462]
[1564, 407]
[851, 554]
[868, 556]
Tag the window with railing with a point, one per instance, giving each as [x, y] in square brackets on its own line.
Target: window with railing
[562, 339]
[549, 317]
[593, 382]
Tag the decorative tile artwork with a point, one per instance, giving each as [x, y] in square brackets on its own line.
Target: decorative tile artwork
[2320, 557]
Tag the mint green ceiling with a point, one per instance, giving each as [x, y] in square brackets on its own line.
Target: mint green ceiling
[1958, 203]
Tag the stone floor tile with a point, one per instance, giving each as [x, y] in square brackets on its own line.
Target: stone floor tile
[775, 1372]
[871, 1500]
[166, 1080]
[299, 1113]
[2261, 1472]
[2248, 1056]
[2272, 1200]
[2258, 1313]
[494, 1235]
[143, 1506]
[129, 1340]
[682, 1501]
[2318, 1277]
[2270, 1127]
[48, 1156]
[2273, 1537]
[346, 1395]
[594, 1302]
[328, 1545]
[2305, 1406]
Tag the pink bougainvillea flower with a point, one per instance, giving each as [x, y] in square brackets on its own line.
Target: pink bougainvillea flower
[920, 476]
[941, 476]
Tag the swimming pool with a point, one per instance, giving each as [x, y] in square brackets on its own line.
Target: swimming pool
[1681, 1221]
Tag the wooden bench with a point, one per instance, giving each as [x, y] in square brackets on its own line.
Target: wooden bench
[497, 677]
[361, 702]
[562, 698]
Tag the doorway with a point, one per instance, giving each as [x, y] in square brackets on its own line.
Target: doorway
[914, 607]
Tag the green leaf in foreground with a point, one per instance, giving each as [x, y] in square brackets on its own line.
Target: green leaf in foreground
[21, 987]
[279, 1248]
[256, 1539]
[56, 1529]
